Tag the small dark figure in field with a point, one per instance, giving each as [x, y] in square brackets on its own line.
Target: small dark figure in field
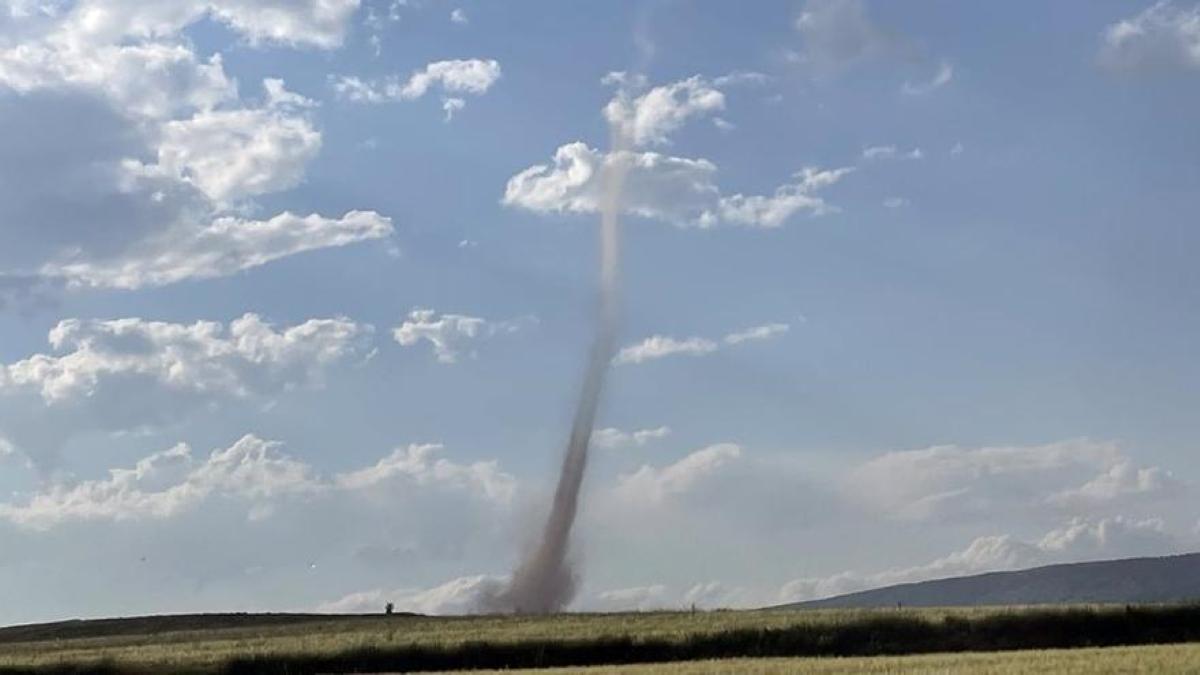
[389, 608]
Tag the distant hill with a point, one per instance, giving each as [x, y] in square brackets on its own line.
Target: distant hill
[168, 623]
[1135, 580]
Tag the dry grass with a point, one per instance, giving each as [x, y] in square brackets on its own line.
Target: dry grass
[206, 650]
[400, 641]
[1099, 661]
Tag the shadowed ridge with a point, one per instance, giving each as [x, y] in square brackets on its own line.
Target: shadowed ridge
[166, 623]
[1165, 579]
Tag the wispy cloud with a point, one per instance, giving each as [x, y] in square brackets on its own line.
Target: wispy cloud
[944, 75]
[661, 346]
[881, 152]
[454, 78]
[611, 437]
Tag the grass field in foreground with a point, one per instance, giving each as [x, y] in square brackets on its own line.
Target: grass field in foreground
[1097, 661]
[207, 649]
[358, 644]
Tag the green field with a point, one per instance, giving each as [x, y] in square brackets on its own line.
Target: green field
[266, 644]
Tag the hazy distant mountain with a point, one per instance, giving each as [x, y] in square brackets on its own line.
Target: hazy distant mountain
[1167, 579]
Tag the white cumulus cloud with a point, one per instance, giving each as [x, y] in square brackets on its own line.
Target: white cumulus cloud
[655, 485]
[311, 23]
[632, 599]
[128, 148]
[260, 476]
[649, 118]
[951, 482]
[662, 346]
[230, 154]
[465, 595]
[450, 334]
[226, 246]
[1164, 35]
[130, 374]
[677, 190]
[166, 483]
[421, 464]
[454, 78]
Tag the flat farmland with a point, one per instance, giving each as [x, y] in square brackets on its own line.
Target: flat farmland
[211, 644]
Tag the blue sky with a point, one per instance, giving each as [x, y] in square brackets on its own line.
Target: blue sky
[964, 340]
